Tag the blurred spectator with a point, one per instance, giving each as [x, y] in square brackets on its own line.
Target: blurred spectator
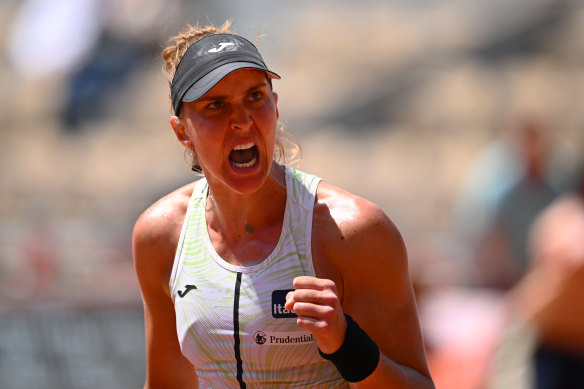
[51, 38]
[129, 39]
[502, 256]
[550, 296]
[472, 333]
[91, 46]
[518, 189]
[90, 88]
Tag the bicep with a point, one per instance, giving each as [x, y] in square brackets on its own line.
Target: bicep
[379, 295]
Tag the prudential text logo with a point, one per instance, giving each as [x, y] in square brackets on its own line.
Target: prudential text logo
[283, 338]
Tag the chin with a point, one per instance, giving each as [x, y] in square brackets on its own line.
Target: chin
[248, 180]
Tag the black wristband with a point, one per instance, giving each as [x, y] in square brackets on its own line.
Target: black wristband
[357, 357]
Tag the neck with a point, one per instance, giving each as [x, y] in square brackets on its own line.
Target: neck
[234, 215]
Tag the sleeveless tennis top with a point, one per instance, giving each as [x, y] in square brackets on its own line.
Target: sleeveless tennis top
[230, 320]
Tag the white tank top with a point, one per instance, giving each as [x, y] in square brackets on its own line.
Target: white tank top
[230, 320]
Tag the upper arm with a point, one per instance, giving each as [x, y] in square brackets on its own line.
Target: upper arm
[154, 242]
[370, 266]
[375, 271]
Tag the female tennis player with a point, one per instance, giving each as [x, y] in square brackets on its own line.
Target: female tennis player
[257, 274]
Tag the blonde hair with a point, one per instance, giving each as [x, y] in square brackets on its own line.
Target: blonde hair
[288, 149]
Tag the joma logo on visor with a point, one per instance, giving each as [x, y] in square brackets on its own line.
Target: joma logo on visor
[222, 45]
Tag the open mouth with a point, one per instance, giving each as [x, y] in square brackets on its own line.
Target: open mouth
[243, 156]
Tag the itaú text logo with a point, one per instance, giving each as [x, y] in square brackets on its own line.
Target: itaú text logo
[283, 338]
[278, 302]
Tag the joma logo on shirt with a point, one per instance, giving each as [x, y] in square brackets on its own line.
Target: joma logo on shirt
[188, 288]
[278, 302]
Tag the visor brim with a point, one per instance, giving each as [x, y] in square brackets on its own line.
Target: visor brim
[207, 82]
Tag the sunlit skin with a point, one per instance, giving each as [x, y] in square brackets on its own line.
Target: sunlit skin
[359, 256]
[240, 109]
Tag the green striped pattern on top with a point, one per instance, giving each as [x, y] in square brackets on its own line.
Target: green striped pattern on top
[275, 352]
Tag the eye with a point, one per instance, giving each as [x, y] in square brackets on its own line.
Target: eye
[256, 95]
[217, 104]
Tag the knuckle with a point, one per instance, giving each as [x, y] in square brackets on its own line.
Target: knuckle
[331, 299]
[330, 285]
[299, 307]
[301, 294]
[329, 313]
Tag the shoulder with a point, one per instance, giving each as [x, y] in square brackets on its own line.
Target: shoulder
[347, 226]
[345, 215]
[157, 231]
[161, 219]
[356, 244]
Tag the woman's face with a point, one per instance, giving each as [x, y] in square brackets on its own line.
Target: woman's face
[233, 130]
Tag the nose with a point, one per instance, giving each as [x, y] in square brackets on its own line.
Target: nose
[240, 118]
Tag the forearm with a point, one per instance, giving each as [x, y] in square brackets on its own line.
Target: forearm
[360, 361]
[390, 374]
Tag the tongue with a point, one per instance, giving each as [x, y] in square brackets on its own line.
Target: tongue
[242, 156]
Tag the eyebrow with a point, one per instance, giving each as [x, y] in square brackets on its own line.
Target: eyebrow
[220, 97]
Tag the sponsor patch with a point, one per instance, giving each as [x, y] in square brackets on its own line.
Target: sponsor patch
[278, 301]
[283, 338]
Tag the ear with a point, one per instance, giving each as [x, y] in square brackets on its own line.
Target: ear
[276, 101]
[179, 129]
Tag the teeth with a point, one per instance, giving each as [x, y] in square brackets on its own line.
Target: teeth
[244, 146]
[247, 164]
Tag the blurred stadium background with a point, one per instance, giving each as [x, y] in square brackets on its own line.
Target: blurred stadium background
[407, 103]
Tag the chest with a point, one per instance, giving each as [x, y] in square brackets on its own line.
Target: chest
[221, 310]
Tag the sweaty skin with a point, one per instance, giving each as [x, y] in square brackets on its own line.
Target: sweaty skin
[361, 264]
[358, 254]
